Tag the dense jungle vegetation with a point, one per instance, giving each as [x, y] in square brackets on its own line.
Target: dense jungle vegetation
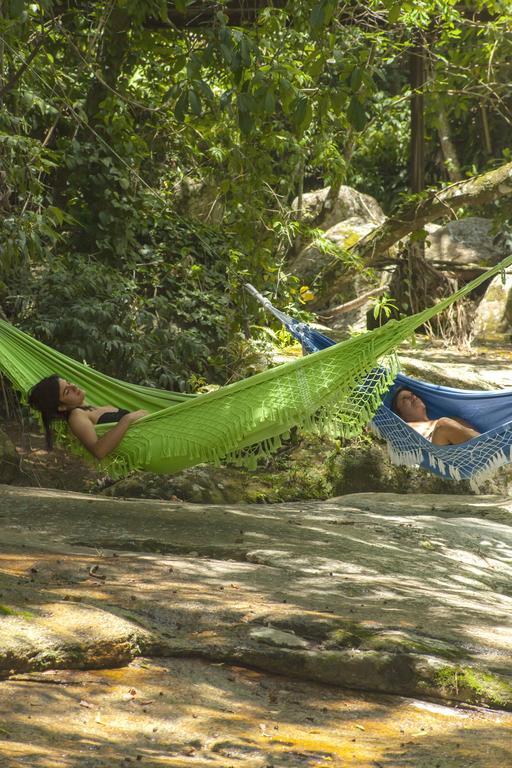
[114, 115]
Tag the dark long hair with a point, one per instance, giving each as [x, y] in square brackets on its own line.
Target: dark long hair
[45, 397]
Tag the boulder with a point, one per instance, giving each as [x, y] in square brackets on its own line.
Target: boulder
[348, 204]
[493, 319]
[312, 260]
[199, 200]
[199, 485]
[333, 284]
[466, 241]
[379, 592]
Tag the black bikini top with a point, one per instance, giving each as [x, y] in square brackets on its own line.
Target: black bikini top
[112, 416]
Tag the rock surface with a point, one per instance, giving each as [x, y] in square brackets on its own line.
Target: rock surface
[198, 606]
[311, 261]
[380, 592]
[181, 712]
[349, 203]
[493, 319]
[199, 200]
[464, 241]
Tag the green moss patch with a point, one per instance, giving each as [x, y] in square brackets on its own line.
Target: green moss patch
[472, 685]
[5, 610]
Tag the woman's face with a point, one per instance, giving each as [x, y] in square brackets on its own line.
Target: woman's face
[410, 407]
[70, 395]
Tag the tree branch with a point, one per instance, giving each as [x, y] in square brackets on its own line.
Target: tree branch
[19, 72]
[441, 203]
[348, 306]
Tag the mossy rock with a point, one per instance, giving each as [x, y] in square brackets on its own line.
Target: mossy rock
[296, 473]
[364, 466]
[352, 636]
[397, 641]
[308, 468]
[466, 683]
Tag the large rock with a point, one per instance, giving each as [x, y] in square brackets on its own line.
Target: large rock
[493, 319]
[333, 284]
[352, 216]
[188, 712]
[199, 201]
[466, 241]
[381, 592]
[312, 260]
[66, 635]
[348, 204]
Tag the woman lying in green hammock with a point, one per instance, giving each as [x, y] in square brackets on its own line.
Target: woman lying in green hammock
[443, 431]
[58, 399]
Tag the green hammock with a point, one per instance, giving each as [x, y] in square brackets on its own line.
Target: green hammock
[336, 390]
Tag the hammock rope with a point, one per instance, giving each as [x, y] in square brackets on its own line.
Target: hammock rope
[336, 391]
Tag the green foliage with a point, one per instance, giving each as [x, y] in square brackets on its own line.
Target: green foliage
[383, 308]
[159, 323]
[106, 112]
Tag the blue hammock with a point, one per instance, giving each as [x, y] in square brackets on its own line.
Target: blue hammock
[490, 413]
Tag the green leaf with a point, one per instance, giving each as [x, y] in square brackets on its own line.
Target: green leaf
[195, 102]
[227, 52]
[316, 67]
[419, 235]
[56, 213]
[394, 13]
[16, 8]
[316, 18]
[356, 114]
[245, 122]
[303, 113]
[245, 52]
[356, 78]
[205, 90]
[330, 7]
[338, 99]
[181, 5]
[181, 106]
[270, 102]
[321, 14]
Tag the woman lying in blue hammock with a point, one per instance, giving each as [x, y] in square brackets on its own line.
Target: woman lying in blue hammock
[443, 431]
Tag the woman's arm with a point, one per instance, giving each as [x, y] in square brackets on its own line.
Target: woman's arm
[83, 429]
[452, 432]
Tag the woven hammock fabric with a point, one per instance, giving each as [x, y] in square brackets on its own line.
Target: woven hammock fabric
[489, 412]
[476, 460]
[337, 390]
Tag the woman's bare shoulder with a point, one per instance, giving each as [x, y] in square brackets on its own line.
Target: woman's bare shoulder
[79, 415]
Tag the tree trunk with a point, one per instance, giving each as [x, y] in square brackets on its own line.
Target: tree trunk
[1, 55]
[417, 82]
[114, 46]
[451, 161]
[486, 133]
